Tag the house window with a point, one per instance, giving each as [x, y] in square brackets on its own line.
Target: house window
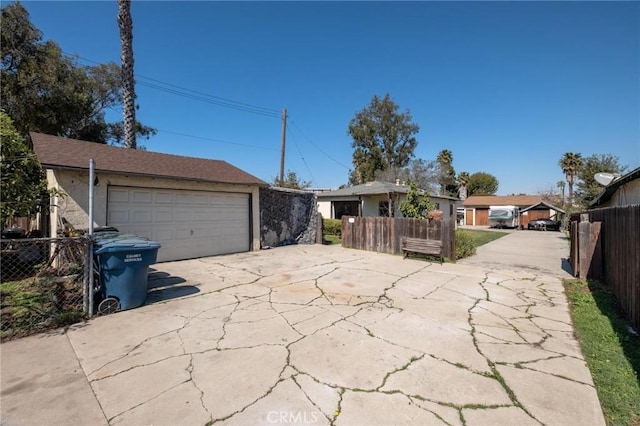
[345, 208]
[437, 206]
[383, 209]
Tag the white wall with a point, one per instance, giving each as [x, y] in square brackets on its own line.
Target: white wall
[627, 195]
[75, 205]
[324, 208]
[371, 205]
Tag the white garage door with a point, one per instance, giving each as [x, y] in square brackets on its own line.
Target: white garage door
[187, 224]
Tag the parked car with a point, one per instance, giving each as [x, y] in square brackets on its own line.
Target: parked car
[544, 224]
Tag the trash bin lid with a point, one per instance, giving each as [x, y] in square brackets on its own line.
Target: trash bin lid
[123, 245]
[106, 237]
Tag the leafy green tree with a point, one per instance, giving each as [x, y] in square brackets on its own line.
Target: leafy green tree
[45, 91]
[482, 183]
[570, 164]
[417, 205]
[383, 139]
[292, 181]
[24, 187]
[446, 173]
[586, 186]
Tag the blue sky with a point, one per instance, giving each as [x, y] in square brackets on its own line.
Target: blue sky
[508, 87]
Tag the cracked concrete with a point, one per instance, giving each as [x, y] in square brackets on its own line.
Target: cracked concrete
[322, 335]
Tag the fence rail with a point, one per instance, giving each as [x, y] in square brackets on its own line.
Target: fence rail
[43, 284]
[384, 234]
[605, 244]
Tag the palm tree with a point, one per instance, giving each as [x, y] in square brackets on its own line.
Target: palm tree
[128, 91]
[570, 163]
[444, 159]
[463, 181]
[561, 185]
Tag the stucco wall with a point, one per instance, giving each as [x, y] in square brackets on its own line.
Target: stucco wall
[324, 208]
[75, 205]
[287, 217]
[371, 205]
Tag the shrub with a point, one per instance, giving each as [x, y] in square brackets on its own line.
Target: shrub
[332, 227]
[465, 245]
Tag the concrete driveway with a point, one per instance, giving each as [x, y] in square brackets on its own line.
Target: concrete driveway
[321, 335]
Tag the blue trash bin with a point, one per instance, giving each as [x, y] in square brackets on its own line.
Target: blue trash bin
[124, 265]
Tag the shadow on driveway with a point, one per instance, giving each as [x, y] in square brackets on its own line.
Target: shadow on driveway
[163, 286]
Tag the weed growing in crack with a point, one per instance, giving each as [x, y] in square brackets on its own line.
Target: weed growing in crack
[338, 410]
[413, 359]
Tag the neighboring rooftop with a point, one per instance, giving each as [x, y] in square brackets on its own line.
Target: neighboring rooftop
[545, 204]
[501, 200]
[63, 153]
[373, 188]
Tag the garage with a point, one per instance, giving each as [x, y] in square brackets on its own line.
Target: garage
[187, 223]
[194, 207]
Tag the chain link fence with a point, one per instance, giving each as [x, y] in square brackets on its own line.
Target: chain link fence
[43, 284]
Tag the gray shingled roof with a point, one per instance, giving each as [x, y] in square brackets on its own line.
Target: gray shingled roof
[63, 153]
[372, 188]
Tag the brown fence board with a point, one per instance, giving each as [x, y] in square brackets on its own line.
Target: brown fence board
[384, 234]
[620, 254]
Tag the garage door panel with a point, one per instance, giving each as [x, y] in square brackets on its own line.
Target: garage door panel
[163, 216]
[142, 197]
[142, 216]
[183, 216]
[118, 217]
[201, 199]
[163, 198]
[118, 195]
[162, 235]
[186, 223]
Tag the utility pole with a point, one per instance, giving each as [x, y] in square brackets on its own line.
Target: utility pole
[284, 133]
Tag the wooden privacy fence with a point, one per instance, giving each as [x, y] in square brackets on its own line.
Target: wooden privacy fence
[605, 245]
[384, 234]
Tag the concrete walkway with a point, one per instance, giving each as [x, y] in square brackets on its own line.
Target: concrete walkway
[321, 335]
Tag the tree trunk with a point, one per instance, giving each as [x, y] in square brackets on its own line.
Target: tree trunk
[128, 91]
[570, 183]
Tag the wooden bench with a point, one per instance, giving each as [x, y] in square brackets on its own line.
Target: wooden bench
[420, 245]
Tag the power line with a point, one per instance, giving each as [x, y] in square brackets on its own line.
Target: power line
[196, 95]
[301, 156]
[223, 100]
[216, 140]
[205, 98]
[317, 147]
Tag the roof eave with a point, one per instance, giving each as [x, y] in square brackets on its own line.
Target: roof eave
[121, 173]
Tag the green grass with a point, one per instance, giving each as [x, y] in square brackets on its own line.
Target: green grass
[483, 237]
[32, 305]
[611, 350]
[331, 239]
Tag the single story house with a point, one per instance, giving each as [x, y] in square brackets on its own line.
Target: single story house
[623, 191]
[476, 208]
[193, 207]
[375, 199]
